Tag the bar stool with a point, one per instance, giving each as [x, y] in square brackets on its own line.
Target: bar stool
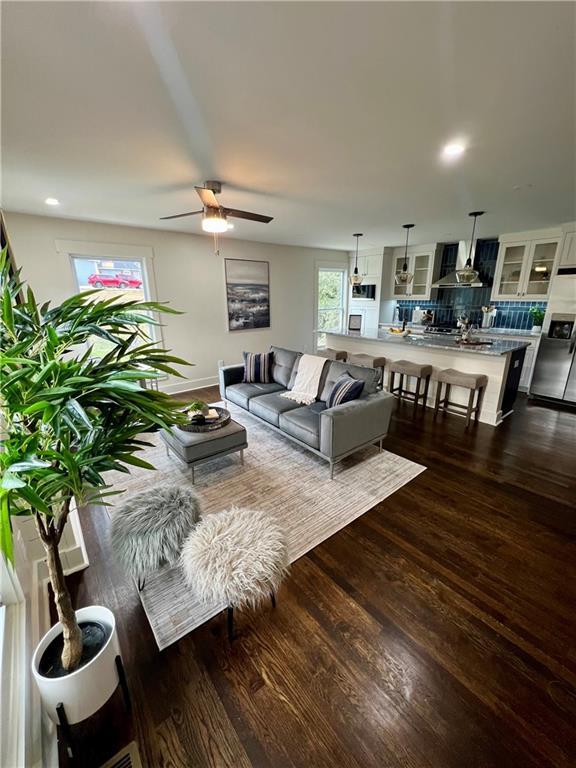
[408, 369]
[370, 361]
[333, 354]
[475, 382]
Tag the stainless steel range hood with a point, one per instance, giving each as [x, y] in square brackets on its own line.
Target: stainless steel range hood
[451, 279]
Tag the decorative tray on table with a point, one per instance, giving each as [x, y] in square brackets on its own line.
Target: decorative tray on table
[215, 419]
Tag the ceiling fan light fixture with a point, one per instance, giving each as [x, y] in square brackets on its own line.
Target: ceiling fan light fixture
[404, 277]
[214, 221]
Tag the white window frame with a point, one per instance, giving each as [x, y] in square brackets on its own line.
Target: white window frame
[329, 267]
[115, 251]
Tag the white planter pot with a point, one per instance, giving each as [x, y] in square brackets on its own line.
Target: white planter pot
[85, 690]
[536, 329]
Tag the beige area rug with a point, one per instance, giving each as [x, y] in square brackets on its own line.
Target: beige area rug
[279, 477]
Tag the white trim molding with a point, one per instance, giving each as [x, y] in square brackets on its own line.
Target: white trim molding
[14, 674]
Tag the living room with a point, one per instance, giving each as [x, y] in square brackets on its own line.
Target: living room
[310, 273]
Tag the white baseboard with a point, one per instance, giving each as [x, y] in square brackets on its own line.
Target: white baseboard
[185, 385]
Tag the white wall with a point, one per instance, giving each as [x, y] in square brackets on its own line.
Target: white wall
[191, 278]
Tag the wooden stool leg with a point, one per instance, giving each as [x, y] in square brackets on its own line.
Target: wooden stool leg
[417, 393]
[447, 397]
[401, 393]
[470, 407]
[479, 402]
[426, 387]
[438, 397]
[391, 382]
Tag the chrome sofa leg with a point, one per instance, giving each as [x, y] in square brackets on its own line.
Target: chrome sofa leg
[331, 470]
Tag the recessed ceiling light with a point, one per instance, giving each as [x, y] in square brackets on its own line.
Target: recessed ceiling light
[52, 201]
[453, 150]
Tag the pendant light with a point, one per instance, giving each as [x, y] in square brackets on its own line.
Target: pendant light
[468, 274]
[356, 278]
[404, 277]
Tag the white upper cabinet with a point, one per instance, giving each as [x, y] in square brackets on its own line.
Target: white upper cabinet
[421, 264]
[525, 267]
[568, 246]
[369, 263]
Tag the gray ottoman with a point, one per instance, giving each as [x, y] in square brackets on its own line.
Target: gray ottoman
[193, 448]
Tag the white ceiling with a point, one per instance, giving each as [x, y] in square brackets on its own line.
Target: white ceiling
[328, 116]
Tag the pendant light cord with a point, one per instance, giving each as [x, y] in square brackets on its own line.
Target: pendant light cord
[407, 227]
[405, 265]
[475, 214]
[469, 262]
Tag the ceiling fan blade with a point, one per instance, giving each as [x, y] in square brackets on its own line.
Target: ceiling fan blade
[235, 213]
[181, 215]
[208, 197]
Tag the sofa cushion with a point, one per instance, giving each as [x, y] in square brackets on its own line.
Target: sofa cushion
[282, 364]
[345, 388]
[241, 394]
[334, 370]
[303, 424]
[269, 407]
[257, 367]
[294, 372]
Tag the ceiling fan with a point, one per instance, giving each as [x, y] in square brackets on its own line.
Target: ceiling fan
[215, 216]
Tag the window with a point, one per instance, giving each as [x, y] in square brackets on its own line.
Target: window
[114, 278]
[331, 298]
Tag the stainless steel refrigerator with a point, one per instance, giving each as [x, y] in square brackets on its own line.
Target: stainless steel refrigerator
[555, 368]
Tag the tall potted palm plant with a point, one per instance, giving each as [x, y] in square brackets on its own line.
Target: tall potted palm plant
[67, 419]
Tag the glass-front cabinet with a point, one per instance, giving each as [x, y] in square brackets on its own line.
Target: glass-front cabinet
[524, 269]
[540, 268]
[420, 283]
[420, 266]
[509, 275]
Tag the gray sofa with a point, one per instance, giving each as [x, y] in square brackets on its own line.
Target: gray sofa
[331, 433]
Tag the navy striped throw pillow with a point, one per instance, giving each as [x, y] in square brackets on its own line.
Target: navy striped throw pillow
[345, 389]
[257, 367]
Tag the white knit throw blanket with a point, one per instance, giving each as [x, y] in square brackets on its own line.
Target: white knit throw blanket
[307, 380]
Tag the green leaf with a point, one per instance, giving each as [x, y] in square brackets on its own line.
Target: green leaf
[10, 481]
[128, 458]
[32, 409]
[75, 407]
[7, 311]
[29, 495]
[25, 466]
[6, 543]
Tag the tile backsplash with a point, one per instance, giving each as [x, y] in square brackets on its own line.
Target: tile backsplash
[509, 314]
[452, 302]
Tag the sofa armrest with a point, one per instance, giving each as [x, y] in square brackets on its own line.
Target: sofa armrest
[350, 425]
[228, 375]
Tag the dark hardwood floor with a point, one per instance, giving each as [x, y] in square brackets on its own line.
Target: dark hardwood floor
[438, 629]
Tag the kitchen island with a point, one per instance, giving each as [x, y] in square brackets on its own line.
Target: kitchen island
[500, 361]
